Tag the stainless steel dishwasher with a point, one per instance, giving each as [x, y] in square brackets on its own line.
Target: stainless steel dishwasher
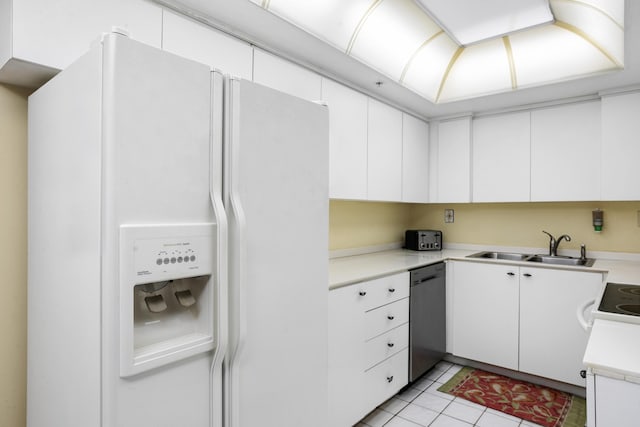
[427, 323]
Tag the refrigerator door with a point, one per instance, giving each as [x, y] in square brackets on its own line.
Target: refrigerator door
[276, 195]
[125, 172]
[161, 201]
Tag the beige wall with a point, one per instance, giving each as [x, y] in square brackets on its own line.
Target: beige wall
[13, 255]
[359, 224]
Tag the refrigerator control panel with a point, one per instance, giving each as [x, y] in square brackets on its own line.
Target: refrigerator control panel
[166, 252]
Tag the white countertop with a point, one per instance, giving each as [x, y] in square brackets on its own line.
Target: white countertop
[613, 350]
[352, 269]
[614, 345]
[357, 268]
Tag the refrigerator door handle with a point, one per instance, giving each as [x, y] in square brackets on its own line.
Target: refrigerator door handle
[221, 278]
[237, 250]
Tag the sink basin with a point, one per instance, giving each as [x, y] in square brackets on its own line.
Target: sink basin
[561, 260]
[500, 255]
[543, 259]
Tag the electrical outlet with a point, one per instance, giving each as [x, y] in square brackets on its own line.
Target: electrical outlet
[638, 218]
[448, 215]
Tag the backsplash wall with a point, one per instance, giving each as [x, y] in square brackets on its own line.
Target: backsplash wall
[360, 224]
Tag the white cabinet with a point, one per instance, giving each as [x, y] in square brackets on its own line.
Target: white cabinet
[552, 342]
[368, 346]
[485, 312]
[347, 141]
[612, 402]
[53, 34]
[201, 43]
[285, 76]
[415, 160]
[522, 318]
[453, 148]
[501, 158]
[620, 148]
[565, 152]
[384, 165]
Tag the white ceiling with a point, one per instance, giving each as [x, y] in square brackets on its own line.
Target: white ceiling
[250, 22]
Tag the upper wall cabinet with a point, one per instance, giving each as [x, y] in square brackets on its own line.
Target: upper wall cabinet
[39, 37]
[196, 41]
[453, 150]
[501, 158]
[415, 160]
[565, 153]
[285, 76]
[347, 141]
[620, 147]
[384, 166]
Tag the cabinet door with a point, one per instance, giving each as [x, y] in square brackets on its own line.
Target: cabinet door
[620, 148]
[196, 41]
[501, 158]
[454, 161]
[55, 33]
[415, 160]
[347, 141]
[565, 153]
[485, 313]
[552, 342]
[285, 76]
[346, 355]
[384, 165]
[617, 402]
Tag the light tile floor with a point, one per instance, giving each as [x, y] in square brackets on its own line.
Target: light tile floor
[423, 405]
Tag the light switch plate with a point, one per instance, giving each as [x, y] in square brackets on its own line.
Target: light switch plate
[448, 215]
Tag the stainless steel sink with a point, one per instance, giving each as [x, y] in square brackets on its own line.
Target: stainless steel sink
[561, 260]
[542, 259]
[510, 256]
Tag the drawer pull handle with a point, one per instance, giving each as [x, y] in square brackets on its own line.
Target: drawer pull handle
[389, 379]
[527, 275]
[390, 317]
[390, 344]
[511, 273]
[392, 290]
[362, 293]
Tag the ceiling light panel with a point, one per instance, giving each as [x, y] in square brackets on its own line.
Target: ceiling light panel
[333, 21]
[425, 72]
[548, 54]
[391, 35]
[471, 21]
[404, 42]
[491, 72]
[596, 23]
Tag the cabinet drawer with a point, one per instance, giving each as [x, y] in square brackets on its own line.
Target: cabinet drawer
[384, 290]
[385, 318]
[384, 380]
[381, 347]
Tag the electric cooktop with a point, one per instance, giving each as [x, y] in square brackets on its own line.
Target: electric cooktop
[621, 299]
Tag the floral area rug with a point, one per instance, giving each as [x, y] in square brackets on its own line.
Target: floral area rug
[540, 405]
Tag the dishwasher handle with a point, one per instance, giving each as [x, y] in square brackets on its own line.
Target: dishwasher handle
[422, 280]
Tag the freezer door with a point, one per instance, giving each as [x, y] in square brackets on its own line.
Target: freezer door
[276, 195]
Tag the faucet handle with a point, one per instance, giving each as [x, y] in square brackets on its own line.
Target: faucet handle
[583, 252]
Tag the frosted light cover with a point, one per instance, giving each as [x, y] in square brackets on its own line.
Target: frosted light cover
[547, 40]
[470, 21]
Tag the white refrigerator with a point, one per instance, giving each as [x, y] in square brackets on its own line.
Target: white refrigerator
[178, 238]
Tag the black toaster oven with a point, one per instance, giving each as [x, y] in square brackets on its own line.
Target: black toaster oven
[423, 240]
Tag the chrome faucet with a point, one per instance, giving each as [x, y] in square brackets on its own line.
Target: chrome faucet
[554, 243]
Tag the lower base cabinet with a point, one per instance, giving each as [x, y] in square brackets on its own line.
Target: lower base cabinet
[612, 402]
[521, 318]
[368, 346]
